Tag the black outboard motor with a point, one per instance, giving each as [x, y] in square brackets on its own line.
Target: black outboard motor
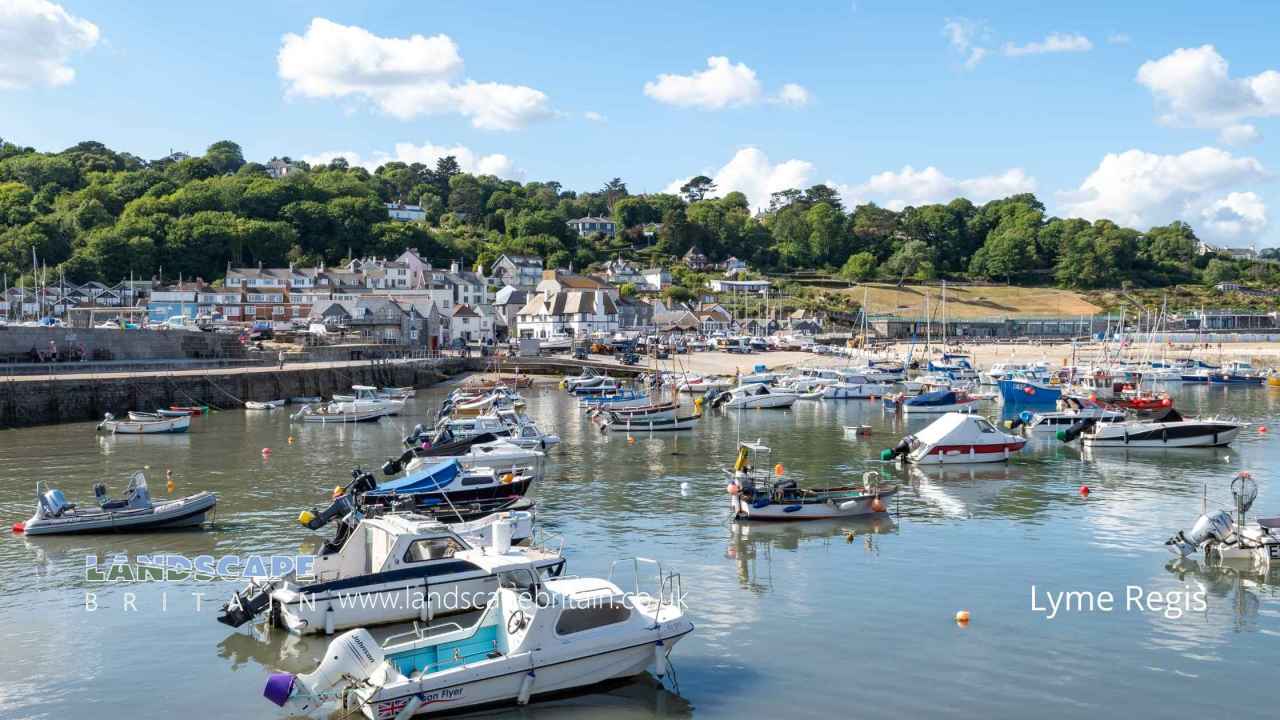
[1076, 430]
[902, 448]
[393, 466]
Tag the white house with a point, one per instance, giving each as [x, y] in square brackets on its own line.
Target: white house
[590, 225]
[469, 325]
[567, 313]
[656, 279]
[727, 285]
[620, 272]
[406, 213]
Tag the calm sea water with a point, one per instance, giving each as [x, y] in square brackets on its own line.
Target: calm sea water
[792, 620]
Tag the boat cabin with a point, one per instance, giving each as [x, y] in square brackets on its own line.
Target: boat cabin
[391, 542]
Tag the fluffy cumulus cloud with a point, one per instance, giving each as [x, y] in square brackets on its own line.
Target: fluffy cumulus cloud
[964, 35]
[722, 85]
[752, 173]
[1054, 43]
[404, 77]
[37, 41]
[427, 154]
[1242, 134]
[1237, 215]
[909, 186]
[1193, 87]
[1142, 189]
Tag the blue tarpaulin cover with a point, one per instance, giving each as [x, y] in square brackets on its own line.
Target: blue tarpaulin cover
[937, 397]
[428, 479]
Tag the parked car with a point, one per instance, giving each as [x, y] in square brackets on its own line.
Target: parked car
[580, 353]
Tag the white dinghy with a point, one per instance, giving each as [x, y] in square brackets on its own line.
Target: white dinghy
[133, 513]
[535, 637]
[145, 425]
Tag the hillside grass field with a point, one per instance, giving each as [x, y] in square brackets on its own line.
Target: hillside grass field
[971, 302]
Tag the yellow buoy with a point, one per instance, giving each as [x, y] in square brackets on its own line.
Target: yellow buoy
[305, 517]
[337, 491]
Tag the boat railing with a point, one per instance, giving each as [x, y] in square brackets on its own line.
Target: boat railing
[421, 632]
[543, 541]
[664, 582]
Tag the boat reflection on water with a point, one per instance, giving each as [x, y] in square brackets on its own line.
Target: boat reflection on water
[753, 542]
[1243, 586]
[963, 491]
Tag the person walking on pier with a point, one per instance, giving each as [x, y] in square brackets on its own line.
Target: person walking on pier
[281, 358]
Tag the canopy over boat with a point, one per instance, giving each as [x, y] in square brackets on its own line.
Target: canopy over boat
[429, 479]
[937, 397]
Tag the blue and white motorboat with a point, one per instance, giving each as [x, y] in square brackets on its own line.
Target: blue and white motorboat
[1237, 373]
[956, 366]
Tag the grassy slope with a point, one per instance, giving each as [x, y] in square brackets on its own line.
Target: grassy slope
[973, 302]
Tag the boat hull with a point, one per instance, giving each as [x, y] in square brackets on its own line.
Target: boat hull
[147, 427]
[964, 454]
[761, 401]
[499, 682]
[963, 407]
[188, 512]
[846, 391]
[853, 506]
[1028, 393]
[1183, 436]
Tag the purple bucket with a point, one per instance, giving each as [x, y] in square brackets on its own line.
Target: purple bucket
[279, 687]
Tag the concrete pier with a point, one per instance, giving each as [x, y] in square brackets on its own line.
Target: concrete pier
[46, 399]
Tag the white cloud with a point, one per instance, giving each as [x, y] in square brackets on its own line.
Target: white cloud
[594, 116]
[1119, 39]
[751, 173]
[721, 85]
[1053, 43]
[404, 77]
[909, 186]
[37, 40]
[1193, 87]
[1243, 134]
[793, 95]
[1142, 189]
[1237, 215]
[427, 154]
[964, 35]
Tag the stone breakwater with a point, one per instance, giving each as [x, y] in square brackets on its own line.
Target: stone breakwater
[26, 401]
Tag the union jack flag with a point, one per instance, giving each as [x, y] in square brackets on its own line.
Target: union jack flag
[391, 708]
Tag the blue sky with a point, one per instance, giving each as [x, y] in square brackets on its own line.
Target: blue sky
[1103, 111]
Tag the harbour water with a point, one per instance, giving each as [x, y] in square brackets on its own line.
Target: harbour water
[825, 619]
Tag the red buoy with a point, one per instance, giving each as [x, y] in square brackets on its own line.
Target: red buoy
[19, 527]
[1084, 491]
[1262, 429]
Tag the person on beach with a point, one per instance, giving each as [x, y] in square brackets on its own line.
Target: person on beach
[281, 358]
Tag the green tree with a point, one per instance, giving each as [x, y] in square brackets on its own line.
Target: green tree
[860, 266]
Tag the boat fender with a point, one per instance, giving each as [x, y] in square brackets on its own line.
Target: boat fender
[660, 659]
[526, 689]
[391, 466]
[1076, 429]
[760, 502]
[848, 505]
[328, 620]
[791, 508]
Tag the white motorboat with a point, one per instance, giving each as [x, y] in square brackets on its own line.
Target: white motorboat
[1073, 410]
[398, 393]
[148, 426]
[756, 495]
[365, 399]
[755, 395]
[535, 637]
[858, 388]
[1229, 540]
[266, 405]
[391, 568]
[1167, 430]
[956, 438]
[498, 455]
[509, 425]
[135, 512]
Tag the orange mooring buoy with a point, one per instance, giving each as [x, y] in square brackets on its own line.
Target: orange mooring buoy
[962, 617]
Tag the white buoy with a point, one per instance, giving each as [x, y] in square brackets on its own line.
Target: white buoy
[660, 660]
[526, 689]
[684, 488]
[410, 708]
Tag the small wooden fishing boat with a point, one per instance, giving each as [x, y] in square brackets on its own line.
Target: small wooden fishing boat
[145, 427]
[337, 413]
[754, 495]
[263, 405]
[624, 424]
